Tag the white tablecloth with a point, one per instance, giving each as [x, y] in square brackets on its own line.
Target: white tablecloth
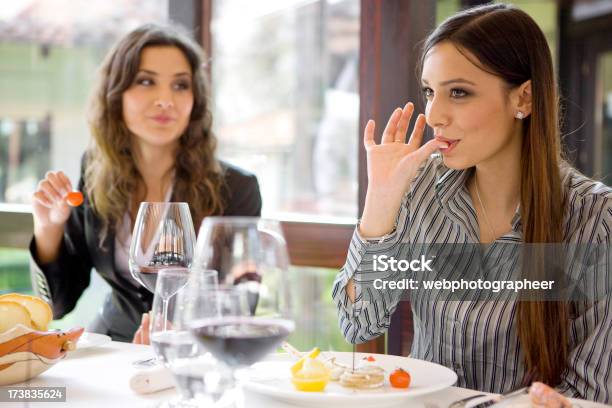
[99, 377]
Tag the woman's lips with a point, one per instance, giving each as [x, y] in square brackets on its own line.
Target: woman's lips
[451, 144]
[162, 119]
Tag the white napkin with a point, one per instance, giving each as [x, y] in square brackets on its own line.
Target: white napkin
[152, 379]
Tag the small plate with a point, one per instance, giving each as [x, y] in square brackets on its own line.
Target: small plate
[88, 340]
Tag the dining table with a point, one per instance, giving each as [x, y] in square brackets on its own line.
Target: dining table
[100, 377]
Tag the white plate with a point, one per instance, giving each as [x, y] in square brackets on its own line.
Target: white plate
[273, 379]
[88, 340]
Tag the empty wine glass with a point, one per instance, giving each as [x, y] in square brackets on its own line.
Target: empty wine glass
[163, 238]
[244, 323]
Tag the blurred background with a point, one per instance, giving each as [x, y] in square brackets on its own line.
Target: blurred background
[293, 83]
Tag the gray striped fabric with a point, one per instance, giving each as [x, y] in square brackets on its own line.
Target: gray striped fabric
[478, 339]
[40, 285]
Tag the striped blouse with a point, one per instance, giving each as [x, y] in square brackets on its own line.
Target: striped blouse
[478, 339]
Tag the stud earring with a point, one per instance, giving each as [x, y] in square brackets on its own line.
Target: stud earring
[519, 115]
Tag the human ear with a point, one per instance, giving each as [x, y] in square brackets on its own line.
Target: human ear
[522, 100]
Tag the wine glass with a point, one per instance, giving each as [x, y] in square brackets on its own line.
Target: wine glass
[171, 341]
[252, 318]
[163, 238]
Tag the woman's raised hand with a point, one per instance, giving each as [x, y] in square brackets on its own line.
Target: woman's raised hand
[48, 202]
[392, 165]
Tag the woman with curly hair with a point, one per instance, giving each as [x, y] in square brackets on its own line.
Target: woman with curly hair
[150, 121]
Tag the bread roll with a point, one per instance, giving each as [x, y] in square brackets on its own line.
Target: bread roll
[13, 314]
[40, 311]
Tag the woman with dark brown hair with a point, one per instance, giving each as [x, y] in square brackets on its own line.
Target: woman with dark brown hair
[152, 141]
[491, 101]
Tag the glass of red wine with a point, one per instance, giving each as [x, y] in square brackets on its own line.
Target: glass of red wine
[250, 315]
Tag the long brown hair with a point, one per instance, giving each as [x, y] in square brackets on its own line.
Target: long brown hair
[111, 171]
[508, 43]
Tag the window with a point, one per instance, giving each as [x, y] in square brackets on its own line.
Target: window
[286, 104]
[50, 52]
[315, 315]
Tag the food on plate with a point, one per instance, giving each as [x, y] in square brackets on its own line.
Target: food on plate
[13, 314]
[312, 376]
[363, 377]
[74, 198]
[39, 312]
[310, 373]
[368, 373]
[400, 378]
[336, 369]
[367, 361]
[298, 366]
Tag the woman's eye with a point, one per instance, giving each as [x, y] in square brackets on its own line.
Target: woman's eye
[181, 86]
[144, 81]
[458, 93]
[428, 92]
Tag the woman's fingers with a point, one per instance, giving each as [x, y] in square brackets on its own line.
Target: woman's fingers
[145, 329]
[43, 199]
[142, 334]
[428, 149]
[404, 122]
[389, 133]
[368, 134]
[397, 127]
[53, 188]
[57, 183]
[138, 336]
[47, 188]
[416, 137]
[542, 395]
[65, 181]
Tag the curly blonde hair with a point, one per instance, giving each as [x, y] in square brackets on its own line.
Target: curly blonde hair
[110, 171]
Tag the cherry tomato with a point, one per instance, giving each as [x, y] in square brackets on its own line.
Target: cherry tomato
[74, 198]
[369, 359]
[400, 378]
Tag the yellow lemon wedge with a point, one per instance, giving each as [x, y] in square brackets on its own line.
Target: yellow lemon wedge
[312, 377]
[300, 363]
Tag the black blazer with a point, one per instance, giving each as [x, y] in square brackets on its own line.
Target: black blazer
[61, 283]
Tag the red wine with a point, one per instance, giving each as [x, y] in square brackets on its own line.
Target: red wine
[241, 341]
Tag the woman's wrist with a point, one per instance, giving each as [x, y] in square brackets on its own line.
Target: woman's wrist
[47, 241]
[379, 213]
